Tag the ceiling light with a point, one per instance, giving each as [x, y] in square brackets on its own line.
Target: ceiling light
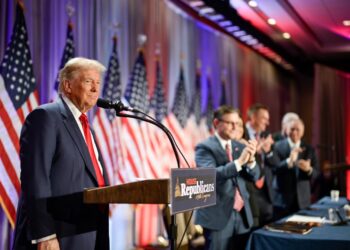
[258, 46]
[225, 23]
[232, 28]
[246, 38]
[216, 17]
[206, 10]
[239, 33]
[196, 3]
[253, 4]
[346, 22]
[286, 35]
[271, 21]
[252, 42]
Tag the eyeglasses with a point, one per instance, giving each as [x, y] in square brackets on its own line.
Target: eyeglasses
[233, 124]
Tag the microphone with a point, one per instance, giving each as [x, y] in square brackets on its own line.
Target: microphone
[117, 106]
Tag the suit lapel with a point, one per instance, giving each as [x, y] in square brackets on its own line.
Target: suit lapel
[77, 137]
[236, 150]
[221, 153]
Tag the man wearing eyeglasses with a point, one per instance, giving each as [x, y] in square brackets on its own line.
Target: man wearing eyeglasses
[234, 163]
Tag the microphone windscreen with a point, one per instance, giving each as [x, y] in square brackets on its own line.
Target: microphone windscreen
[103, 103]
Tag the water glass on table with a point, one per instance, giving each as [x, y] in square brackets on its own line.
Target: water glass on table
[335, 195]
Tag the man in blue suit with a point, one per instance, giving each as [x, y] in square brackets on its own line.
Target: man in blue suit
[59, 159]
[296, 166]
[234, 162]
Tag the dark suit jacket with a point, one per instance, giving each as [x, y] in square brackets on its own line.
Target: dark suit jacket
[55, 169]
[265, 163]
[211, 154]
[292, 183]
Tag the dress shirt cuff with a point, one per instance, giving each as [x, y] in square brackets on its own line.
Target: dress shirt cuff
[238, 165]
[310, 172]
[50, 237]
[251, 165]
[289, 163]
[270, 154]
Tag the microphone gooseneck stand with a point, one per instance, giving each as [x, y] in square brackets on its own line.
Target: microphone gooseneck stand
[173, 226]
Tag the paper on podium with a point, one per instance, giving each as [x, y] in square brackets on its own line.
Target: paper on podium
[305, 219]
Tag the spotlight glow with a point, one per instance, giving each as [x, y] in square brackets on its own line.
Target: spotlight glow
[253, 4]
[286, 35]
[271, 21]
[346, 22]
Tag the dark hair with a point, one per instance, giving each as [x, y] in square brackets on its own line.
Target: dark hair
[223, 110]
[255, 108]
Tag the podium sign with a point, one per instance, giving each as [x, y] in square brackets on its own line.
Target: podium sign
[192, 188]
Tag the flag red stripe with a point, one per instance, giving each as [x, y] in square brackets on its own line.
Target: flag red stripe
[20, 115]
[8, 124]
[120, 177]
[9, 168]
[36, 95]
[29, 103]
[150, 132]
[175, 133]
[133, 137]
[105, 137]
[120, 158]
[133, 164]
[141, 219]
[7, 205]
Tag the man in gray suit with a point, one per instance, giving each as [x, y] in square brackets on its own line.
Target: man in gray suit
[297, 165]
[59, 159]
[234, 162]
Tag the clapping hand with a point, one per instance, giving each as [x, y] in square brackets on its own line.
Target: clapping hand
[264, 145]
[304, 165]
[248, 153]
[49, 245]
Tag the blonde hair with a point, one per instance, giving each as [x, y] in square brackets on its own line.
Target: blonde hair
[74, 66]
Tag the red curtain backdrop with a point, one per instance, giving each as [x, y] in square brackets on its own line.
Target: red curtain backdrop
[331, 123]
[347, 130]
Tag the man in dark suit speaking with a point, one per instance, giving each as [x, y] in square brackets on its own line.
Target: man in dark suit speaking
[59, 159]
[234, 162]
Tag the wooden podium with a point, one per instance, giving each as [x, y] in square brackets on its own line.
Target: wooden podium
[154, 191]
[157, 191]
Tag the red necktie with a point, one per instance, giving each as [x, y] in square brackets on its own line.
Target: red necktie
[85, 123]
[239, 202]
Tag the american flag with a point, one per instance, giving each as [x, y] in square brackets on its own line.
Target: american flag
[180, 107]
[18, 97]
[136, 92]
[196, 107]
[136, 95]
[192, 127]
[210, 109]
[105, 123]
[68, 53]
[177, 120]
[140, 153]
[158, 103]
[160, 141]
[223, 100]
